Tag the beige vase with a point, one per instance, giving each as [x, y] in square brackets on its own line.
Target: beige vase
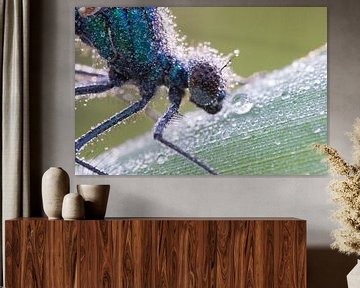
[96, 198]
[55, 185]
[73, 207]
[353, 278]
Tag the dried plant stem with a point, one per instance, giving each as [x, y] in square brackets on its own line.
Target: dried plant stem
[345, 192]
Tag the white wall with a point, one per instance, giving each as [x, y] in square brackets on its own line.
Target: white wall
[52, 122]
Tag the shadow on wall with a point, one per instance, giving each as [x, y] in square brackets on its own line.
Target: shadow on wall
[137, 206]
[37, 10]
[328, 268]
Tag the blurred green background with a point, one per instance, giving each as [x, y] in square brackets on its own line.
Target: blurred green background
[268, 38]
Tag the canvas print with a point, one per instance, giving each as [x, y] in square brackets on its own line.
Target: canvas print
[200, 90]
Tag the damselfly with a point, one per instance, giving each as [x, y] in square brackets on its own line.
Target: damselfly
[140, 45]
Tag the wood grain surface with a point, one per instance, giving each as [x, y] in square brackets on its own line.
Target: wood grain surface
[232, 252]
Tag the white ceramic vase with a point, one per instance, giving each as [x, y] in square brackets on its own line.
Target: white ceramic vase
[55, 185]
[73, 207]
[353, 278]
[96, 198]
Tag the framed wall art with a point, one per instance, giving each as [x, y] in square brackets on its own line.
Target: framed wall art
[200, 90]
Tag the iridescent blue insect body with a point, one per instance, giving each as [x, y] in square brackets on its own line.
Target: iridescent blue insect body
[135, 45]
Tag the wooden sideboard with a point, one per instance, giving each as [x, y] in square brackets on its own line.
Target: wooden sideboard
[156, 252]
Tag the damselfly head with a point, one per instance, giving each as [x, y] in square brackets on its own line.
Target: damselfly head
[206, 86]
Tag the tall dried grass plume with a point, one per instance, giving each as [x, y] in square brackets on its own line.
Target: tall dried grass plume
[345, 192]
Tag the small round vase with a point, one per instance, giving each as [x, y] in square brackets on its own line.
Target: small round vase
[55, 185]
[96, 198]
[73, 207]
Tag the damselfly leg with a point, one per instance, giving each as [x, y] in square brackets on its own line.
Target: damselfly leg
[165, 120]
[147, 91]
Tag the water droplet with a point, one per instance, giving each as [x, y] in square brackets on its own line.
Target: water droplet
[310, 68]
[161, 159]
[245, 135]
[285, 95]
[225, 134]
[240, 104]
[239, 97]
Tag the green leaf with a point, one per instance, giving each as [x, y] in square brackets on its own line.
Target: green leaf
[265, 128]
